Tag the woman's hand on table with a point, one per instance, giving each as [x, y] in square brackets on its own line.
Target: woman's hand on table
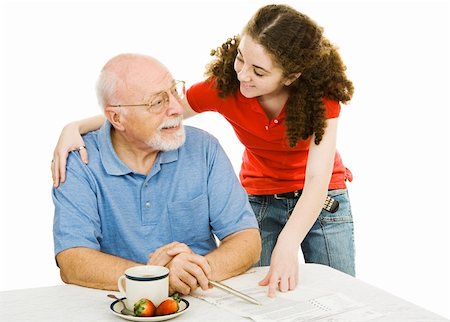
[284, 267]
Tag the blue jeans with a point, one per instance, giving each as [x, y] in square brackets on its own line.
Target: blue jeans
[329, 242]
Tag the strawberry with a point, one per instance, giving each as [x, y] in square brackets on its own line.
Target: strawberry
[144, 307]
[169, 306]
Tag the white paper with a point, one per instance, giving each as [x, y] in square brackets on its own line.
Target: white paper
[308, 305]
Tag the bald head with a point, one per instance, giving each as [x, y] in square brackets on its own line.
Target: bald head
[127, 78]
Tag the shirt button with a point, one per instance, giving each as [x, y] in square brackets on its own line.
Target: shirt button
[146, 185]
[275, 121]
[266, 127]
[147, 204]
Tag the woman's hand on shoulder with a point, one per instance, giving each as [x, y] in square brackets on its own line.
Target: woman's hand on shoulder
[69, 140]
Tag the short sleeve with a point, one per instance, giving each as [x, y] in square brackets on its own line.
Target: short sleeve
[76, 222]
[332, 108]
[230, 210]
[203, 97]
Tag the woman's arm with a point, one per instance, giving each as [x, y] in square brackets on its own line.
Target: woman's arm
[283, 272]
[188, 111]
[69, 140]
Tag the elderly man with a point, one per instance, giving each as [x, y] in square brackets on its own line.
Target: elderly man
[154, 192]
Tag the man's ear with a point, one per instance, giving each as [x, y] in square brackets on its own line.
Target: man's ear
[113, 115]
[291, 78]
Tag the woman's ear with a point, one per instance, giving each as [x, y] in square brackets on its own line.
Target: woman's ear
[291, 78]
[113, 115]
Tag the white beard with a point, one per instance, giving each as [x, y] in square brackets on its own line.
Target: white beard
[158, 142]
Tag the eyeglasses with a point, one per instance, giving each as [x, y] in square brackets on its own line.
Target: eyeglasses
[160, 101]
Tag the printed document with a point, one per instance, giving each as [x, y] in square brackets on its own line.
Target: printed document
[308, 305]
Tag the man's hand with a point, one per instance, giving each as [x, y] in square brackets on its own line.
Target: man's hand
[187, 272]
[163, 255]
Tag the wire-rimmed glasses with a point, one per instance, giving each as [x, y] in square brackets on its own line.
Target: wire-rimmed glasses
[160, 101]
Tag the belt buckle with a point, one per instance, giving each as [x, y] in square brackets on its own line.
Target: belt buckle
[277, 197]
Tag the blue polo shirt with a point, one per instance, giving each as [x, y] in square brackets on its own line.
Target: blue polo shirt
[189, 194]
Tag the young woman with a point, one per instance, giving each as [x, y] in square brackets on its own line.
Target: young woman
[279, 85]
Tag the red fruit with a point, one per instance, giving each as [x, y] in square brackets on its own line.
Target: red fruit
[169, 305]
[144, 307]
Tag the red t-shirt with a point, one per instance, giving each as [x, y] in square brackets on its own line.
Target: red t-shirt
[269, 165]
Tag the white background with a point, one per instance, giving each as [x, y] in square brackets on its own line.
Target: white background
[394, 135]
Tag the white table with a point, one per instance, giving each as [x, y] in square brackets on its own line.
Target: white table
[73, 303]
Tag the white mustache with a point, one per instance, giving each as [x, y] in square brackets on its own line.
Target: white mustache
[173, 122]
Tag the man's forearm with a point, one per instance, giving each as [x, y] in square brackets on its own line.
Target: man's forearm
[236, 254]
[91, 268]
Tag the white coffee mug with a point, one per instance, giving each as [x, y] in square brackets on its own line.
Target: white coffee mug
[149, 281]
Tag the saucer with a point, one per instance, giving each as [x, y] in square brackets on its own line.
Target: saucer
[117, 306]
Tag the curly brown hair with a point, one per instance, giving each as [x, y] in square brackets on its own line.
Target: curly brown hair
[296, 44]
